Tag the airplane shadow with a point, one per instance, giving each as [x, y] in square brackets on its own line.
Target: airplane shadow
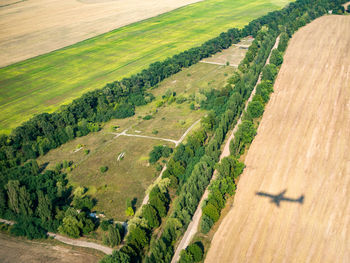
[278, 198]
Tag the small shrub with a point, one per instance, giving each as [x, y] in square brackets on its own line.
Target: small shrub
[147, 117]
[154, 132]
[86, 151]
[159, 167]
[105, 224]
[103, 169]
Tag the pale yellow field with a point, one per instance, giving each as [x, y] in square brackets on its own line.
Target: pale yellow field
[33, 27]
[302, 145]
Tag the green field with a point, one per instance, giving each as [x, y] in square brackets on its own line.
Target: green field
[45, 82]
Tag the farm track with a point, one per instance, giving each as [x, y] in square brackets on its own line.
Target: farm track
[71, 241]
[193, 226]
[303, 146]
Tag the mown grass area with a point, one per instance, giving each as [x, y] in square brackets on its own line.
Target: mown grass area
[48, 81]
[130, 177]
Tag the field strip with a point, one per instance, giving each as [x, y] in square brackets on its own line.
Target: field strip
[193, 226]
[302, 146]
[58, 77]
[70, 241]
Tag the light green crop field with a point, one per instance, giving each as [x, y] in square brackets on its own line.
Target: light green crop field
[44, 83]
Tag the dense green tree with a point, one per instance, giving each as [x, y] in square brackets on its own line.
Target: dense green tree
[113, 237]
[276, 57]
[150, 214]
[116, 257]
[269, 72]
[44, 209]
[255, 109]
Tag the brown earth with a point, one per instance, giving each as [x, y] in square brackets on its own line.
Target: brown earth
[303, 145]
[13, 250]
[29, 28]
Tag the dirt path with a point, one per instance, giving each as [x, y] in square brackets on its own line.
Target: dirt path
[177, 142]
[19, 250]
[146, 198]
[70, 241]
[217, 63]
[81, 243]
[31, 28]
[302, 145]
[143, 136]
[193, 226]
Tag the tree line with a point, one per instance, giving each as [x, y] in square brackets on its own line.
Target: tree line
[41, 201]
[230, 168]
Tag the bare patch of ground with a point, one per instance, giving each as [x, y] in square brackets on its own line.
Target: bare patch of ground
[13, 250]
[31, 28]
[233, 55]
[303, 145]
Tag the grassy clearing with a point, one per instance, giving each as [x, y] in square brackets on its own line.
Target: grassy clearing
[45, 82]
[129, 178]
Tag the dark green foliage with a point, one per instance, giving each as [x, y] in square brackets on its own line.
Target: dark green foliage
[264, 89]
[151, 216]
[269, 72]
[76, 223]
[243, 137]
[83, 202]
[282, 45]
[193, 253]
[206, 224]
[255, 109]
[28, 227]
[103, 169]
[147, 117]
[158, 152]
[196, 250]
[212, 212]
[113, 237]
[105, 224]
[138, 238]
[116, 257]
[276, 58]
[159, 201]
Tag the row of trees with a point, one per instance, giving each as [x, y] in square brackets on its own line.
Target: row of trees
[42, 201]
[230, 168]
[216, 124]
[190, 185]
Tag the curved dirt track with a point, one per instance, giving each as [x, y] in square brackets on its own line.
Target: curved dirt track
[303, 145]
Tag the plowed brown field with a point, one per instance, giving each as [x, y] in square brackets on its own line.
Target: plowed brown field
[303, 145]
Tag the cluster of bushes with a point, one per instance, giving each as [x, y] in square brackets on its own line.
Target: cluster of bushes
[192, 189]
[114, 235]
[193, 253]
[158, 152]
[42, 201]
[230, 168]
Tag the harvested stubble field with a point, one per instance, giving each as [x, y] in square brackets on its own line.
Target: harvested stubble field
[16, 250]
[303, 145]
[45, 82]
[30, 28]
